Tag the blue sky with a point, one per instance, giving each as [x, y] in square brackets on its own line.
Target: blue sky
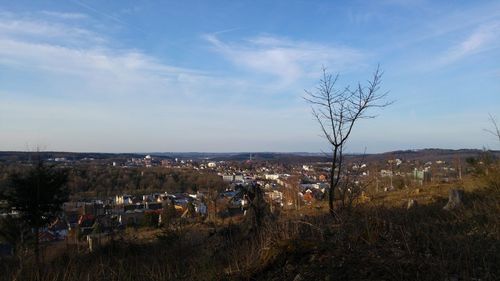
[139, 76]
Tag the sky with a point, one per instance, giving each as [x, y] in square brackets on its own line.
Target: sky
[230, 76]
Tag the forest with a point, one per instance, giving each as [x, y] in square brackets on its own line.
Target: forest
[97, 181]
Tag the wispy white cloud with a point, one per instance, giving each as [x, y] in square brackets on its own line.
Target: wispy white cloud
[81, 89]
[482, 39]
[26, 27]
[433, 28]
[66, 60]
[286, 59]
[64, 15]
[77, 54]
[100, 12]
[404, 3]
[97, 74]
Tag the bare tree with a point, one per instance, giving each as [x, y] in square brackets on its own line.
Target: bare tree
[495, 131]
[337, 110]
[291, 191]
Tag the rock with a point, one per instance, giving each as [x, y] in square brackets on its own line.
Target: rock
[455, 199]
[312, 258]
[411, 204]
[298, 277]
[389, 188]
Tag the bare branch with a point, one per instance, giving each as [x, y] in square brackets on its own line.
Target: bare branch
[496, 130]
[337, 110]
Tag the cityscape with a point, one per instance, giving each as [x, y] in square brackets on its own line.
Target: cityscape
[249, 140]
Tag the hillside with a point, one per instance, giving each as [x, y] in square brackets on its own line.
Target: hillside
[292, 157]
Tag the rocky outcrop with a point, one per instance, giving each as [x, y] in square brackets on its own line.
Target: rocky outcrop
[455, 199]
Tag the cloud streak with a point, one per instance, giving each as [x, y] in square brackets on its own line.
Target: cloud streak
[94, 93]
[75, 57]
[482, 39]
[64, 16]
[285, 59]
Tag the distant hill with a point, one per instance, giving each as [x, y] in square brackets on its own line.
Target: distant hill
[293, 157]
[422, 155]
[430, 154]
[243, 156]
[16, 156]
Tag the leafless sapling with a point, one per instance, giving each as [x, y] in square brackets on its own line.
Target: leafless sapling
[495, 131]
[337, 110]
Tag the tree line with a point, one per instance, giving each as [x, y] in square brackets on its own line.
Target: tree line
[102, 181]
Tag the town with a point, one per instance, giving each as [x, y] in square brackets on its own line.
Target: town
[293, 185]
[249, 140]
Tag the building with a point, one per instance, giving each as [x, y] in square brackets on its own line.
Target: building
[148, 161]
[123, 199]
[271, 176]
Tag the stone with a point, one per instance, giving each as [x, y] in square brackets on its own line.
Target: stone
[298, 277]
[455, 199]
[412, 203]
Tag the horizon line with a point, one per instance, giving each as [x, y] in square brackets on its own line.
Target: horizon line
[242, 152]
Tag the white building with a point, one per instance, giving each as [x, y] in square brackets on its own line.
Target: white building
[123, 199]
[271, 176]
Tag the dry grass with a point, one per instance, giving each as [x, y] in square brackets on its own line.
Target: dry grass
[377, 240]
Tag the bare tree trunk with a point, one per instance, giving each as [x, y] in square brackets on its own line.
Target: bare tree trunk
[331, 190]
[37, 249]
[333, 182]
[37, 223]
[337, 110]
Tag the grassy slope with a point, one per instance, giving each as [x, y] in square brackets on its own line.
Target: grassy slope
[378, 240]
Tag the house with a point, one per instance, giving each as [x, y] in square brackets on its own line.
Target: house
[132, 207]
[131, 218]
[308, 196]
[271, 176]
[123, 199]
[228, 178]
[181, 199]
[95, 208]
[153, 205]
